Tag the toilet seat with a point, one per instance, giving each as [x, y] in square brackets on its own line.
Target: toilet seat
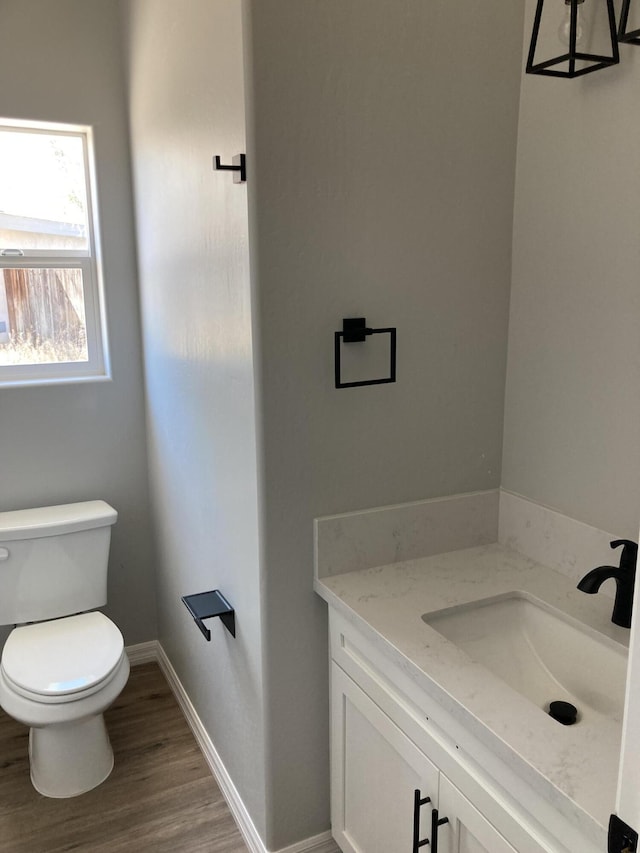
[62, 660]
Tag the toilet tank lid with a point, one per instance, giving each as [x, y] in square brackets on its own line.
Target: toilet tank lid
[55, 520]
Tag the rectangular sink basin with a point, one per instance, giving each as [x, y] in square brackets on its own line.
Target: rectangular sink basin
[540, 652]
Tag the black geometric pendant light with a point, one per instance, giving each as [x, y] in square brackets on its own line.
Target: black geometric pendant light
[567, 40]
[633, 36]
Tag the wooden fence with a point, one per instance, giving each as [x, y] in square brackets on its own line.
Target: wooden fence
[44, 304]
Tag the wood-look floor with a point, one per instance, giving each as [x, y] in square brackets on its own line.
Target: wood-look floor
[160, 797]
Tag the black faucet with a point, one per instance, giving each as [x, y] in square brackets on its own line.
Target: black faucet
[624, 576]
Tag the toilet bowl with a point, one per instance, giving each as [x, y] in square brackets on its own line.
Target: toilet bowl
[58, 678]
[61, 670]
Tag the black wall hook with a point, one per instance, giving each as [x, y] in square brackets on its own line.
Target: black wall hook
[355, 330]
[239, 165]
[206, 605]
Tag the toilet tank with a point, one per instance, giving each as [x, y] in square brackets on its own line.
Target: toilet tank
[53, 560]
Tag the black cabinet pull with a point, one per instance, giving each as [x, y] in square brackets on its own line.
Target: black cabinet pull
[435, 823]
[418, 801]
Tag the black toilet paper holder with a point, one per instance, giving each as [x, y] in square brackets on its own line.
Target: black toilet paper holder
[206, 605]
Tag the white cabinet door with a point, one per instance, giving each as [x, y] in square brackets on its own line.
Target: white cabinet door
[375, 770]
[466, 829]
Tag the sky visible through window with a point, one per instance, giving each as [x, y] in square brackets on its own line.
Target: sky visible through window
[42, 177]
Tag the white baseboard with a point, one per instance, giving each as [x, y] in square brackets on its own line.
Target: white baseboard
[322, 843]
[143, 653]
[229, 791]
[152, 651]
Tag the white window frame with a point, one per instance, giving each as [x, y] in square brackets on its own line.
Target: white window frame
[97, 368]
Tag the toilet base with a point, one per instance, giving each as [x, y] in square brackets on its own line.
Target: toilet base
[69, 759]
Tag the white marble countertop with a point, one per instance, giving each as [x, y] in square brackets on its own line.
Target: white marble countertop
[575, 768]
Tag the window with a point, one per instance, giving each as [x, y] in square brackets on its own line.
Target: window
[52, 326]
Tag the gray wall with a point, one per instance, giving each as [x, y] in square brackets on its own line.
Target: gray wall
[382, 158]
[187, 104]
[365, 196]
[60, 62]
[381, 183]
[572, 404]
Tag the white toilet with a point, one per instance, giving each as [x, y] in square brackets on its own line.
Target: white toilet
[60, 672]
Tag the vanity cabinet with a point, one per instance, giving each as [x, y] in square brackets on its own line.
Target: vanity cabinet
[386, 745]
[378, 770]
